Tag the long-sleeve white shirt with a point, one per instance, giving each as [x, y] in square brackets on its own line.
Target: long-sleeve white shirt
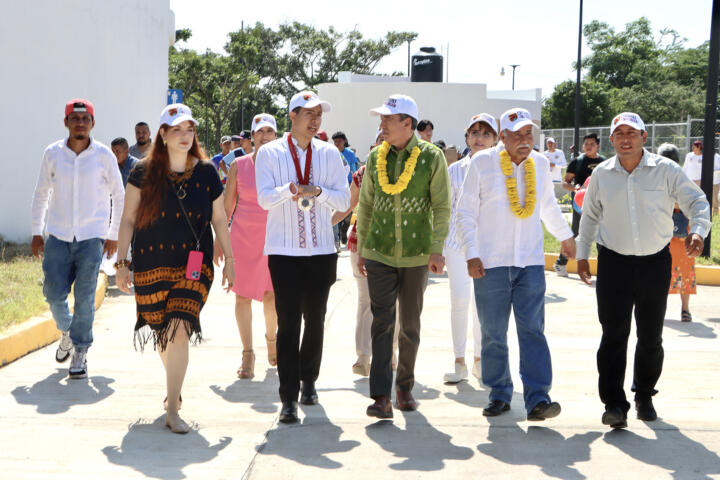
[291, 231]
[631, 213]
[488, 229]
[76, 192]
[457, 172]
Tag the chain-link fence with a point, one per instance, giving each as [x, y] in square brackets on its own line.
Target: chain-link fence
[680, 134]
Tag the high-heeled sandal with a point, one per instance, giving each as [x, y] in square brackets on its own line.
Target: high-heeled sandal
[247, 368]
[272, 350]
[179, 403]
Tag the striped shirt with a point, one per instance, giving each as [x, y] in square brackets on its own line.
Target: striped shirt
[457, 172]
[291, 231]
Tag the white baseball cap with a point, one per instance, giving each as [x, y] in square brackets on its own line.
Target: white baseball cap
[483, 117]
[263, 120]
[308, 99]
[395, 104]
[627, 118]
[515, 119]
[550, 140]
[175, 114]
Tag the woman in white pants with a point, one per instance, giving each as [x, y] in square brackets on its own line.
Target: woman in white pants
[480, 134]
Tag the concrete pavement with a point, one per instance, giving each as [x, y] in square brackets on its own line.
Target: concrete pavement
[111, 425]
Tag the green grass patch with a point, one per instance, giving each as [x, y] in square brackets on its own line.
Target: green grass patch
[21, 294]
[553, 246]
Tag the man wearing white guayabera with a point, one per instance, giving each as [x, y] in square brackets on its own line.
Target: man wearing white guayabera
[506, 194]
[481, 133]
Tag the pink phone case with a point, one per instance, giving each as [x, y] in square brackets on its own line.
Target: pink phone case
[194, 265]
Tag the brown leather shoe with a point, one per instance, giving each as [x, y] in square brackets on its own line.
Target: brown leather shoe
[382, 408]
[405, 401]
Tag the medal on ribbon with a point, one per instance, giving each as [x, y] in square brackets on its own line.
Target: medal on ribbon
[304, 203]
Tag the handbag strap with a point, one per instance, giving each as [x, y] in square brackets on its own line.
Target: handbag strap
[187, 219]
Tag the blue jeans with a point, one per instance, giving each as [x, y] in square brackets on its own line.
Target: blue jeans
[63, 264]
[524, 290]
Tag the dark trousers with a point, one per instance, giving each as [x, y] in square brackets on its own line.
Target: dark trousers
[302, 286]
[388, 286]
[562, 259]
[625, 282]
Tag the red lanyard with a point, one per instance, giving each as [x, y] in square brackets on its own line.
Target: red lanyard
[302, 180]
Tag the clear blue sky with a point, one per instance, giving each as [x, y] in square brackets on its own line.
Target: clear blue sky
[540, 36]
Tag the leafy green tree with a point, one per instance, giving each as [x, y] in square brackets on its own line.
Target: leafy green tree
[559, 109]
[261, 68]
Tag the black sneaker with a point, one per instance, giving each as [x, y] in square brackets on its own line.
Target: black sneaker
[495, 408]
[543, 410]
[615, 417]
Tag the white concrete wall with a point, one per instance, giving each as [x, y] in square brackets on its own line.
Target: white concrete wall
[111, 52]
[448, 105]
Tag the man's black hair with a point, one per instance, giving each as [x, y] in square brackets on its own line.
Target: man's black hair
[119, 141]
[594, 136]
[413, 123]
[423, 125]
[142, 124]
[339, 134]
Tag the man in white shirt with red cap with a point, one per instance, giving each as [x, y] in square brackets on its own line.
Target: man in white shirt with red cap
[506, 197]
[78, 202]
[300, 181]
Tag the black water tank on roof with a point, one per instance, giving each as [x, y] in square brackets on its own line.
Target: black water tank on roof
[427, 66]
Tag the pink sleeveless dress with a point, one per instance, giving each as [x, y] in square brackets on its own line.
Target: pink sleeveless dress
[247, 235]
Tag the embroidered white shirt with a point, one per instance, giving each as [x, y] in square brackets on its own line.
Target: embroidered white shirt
[291, 231]
[486, 226]
[75, 191]
[457, 172]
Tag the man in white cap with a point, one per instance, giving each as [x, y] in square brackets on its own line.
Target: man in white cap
[506, 195]
[402, 222]
[628, 208]
[300, 181]
[557, 162]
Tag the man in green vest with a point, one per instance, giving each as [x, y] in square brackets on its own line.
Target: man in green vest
[402, 222]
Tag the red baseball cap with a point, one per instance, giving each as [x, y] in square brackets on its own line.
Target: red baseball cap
[79, 105]
[322, 135]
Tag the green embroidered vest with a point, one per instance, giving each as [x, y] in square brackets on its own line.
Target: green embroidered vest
[403, 220]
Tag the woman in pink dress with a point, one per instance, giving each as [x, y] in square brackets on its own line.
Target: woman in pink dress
[247, 235]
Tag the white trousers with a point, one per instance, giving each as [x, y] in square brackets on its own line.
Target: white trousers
[363, 339]
[461, 297]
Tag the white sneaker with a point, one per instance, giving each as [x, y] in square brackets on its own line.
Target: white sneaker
[459, 375]
[561, 270]
[65, 348]
[362, 366]
[476, 370]
[78, 365]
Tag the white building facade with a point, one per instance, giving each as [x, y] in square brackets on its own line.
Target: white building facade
[448, 105]
[113, 53]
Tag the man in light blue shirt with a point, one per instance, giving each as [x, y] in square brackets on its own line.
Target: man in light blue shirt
[628, 208]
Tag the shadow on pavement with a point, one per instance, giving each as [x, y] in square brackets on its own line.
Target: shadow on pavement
[52, 395]
[258, 394]
[554, 298]
[691, 329]
[422, 446]
[670, 449]
[150, 448]
[468, 395]
[541, 446]
[294, 441]
[361, 385]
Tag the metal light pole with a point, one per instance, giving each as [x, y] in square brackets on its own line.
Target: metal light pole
[577, 84]
[711, 112]
[502, 72]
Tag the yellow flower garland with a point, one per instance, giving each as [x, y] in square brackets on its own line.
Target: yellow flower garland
[511, 185]
[404, 178]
